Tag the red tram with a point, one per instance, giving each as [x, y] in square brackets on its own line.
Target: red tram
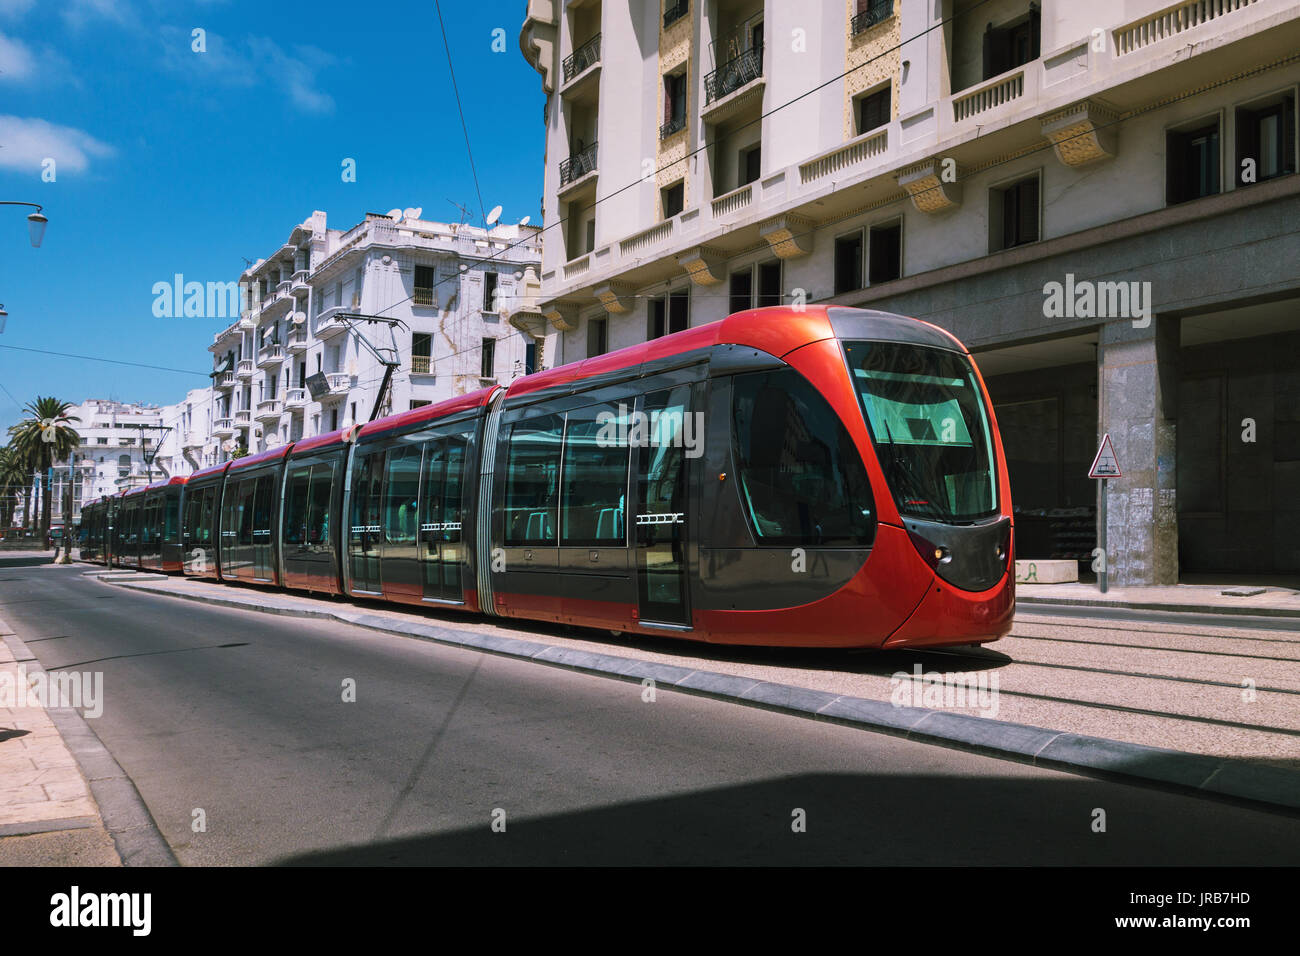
[816, 477]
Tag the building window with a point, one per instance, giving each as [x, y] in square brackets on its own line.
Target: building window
[490, 292]
[334, 419]
[848, 263]
[421, 353]
[873, 110]
[488, 369]
[1013, 44]
[742, 291]
[597, 337]
[530, 358]
[769, 284]
[1013, 214]
[101, 441]
[669, 314]
[886, 252]
[418, 403]
[751, 161]
[424, 282]
[1192, 163]
[674, 104]
[1266, 141]
[674, 10]
[674, 199]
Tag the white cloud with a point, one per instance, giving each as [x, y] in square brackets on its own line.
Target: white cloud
[16, 61]
[26, 142]
[80, 12]
[255, 60]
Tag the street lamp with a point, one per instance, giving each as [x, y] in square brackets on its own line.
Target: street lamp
[36, 222]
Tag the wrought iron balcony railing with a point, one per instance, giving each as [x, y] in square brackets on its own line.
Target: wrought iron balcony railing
[581, 58]
[578, 165]
[876, 12]
[672, 126]
[734, 74]
[420, 364]
[675, 11]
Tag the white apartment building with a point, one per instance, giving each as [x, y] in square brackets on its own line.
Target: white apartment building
[119, 450]
[297, 363]
[987, 165]
[187, 443]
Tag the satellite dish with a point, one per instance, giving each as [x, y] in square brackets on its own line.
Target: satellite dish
[524, 221]
[413, 212]
[494, 215]
[298, 318]
[395, 214]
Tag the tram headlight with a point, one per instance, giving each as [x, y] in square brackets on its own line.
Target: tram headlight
[933, 554]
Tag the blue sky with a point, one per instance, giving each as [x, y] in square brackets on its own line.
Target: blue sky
[170, 160]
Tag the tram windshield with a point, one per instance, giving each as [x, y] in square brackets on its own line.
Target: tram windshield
[931, 430]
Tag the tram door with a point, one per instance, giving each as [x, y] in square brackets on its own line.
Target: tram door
[440, 519]
[661, 519]
[364, 529]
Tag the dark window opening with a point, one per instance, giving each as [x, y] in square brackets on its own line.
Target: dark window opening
[489, 292]
[1266, 141]
[873, 110]
[1014, 214]
[848, 263]
[769, 284]
[674, 199]
[886, 252]
[751, 161]
[597, 337]
[1013, 44]
[742, 291]
[1192, 163]
[489, 365]
[424, 281]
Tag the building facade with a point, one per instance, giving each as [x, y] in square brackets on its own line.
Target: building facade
[300, 361]
[1099, 199]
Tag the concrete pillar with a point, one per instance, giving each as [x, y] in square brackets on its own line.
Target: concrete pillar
[1137, 405]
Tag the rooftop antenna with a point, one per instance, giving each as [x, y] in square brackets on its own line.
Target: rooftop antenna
[464, 211]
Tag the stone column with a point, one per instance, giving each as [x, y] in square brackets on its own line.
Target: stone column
[1137, 405]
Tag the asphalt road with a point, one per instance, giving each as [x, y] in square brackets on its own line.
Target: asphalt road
[242, 715]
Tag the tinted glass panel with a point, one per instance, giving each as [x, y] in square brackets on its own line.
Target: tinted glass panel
[801, 478]
[401, 500]
[595, 478]
[927, 415]
[295, 506]
[532, 480]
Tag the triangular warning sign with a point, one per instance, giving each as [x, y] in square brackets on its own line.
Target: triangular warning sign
[1105, 465]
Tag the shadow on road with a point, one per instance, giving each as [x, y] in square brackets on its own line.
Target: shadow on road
[859, 819]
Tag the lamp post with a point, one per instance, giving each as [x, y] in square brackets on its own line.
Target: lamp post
[65, 557]
[36, 224]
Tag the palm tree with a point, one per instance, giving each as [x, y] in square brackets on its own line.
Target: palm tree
[13, 478]
[44, 437]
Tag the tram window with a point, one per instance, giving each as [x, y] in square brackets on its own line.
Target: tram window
[295, 506]
[244, 512]
[452, 488]
[262, 504]
[318, 515]
[434, 482]
[402, 493]
[170, 506]
[532, 480]
[595, 479]
[802, 480]
[207, 516]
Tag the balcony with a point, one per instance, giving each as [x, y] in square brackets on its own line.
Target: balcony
[577, 167]
[295, 398]
[242, 418]
[193, 439]
[421, 365]
[270, 355]
[340, 383]
[582, 59]
[269, 410]
[223, 427]
[730, 85]
[424, 296]
[297, 341]
[245, 369]
[672, 126]
[277, 304]
[298, 283]
[675, 12]
[327, 324]
[225, 380]
[878, 11]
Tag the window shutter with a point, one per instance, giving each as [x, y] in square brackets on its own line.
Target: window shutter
[668, 99]
[1028, 211]
[1035, 31]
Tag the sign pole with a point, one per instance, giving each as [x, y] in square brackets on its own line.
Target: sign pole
[1101, 533]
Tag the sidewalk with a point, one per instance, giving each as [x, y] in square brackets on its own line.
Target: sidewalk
[1190, 598]
[47, 815]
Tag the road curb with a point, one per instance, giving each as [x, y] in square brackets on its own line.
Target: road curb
[1266, 787]
[1168, 608]
[126, 818]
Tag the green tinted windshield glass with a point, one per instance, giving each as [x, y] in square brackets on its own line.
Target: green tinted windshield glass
[928, 420]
